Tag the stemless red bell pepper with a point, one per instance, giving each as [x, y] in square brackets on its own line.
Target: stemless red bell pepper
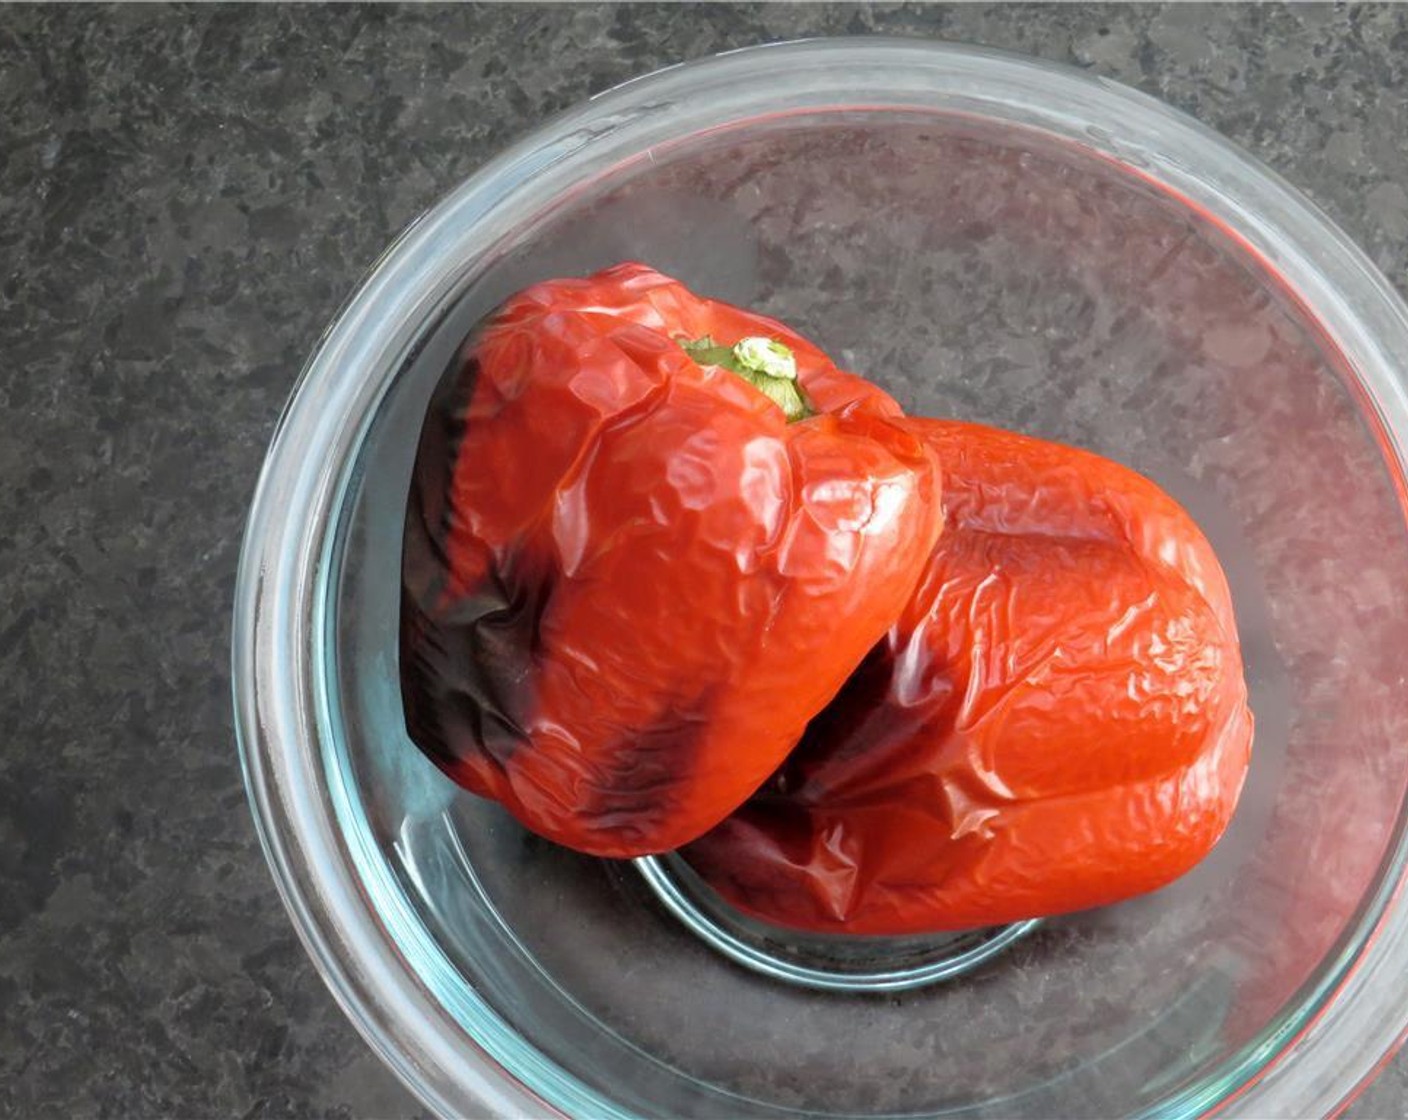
[649, 537]
[1058, 719]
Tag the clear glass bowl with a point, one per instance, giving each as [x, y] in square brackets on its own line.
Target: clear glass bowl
[993, 238]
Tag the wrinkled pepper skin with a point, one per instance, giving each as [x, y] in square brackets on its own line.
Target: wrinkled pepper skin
[628, 581]
[1058, 719]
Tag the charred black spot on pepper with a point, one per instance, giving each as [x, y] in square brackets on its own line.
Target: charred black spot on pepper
[424, 563]
[466, 662]
[637, 786]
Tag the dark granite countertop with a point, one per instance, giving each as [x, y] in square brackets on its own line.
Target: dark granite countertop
[186, 195]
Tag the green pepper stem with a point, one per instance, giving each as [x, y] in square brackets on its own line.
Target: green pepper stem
[766, 364]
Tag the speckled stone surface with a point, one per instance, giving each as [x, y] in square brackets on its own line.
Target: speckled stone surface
[186, 195]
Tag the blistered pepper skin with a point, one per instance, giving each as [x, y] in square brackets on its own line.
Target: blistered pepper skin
[1058, 719]
[628, 581]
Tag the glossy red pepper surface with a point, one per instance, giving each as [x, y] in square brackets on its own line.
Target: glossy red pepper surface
[628, 581]
[1056, 721]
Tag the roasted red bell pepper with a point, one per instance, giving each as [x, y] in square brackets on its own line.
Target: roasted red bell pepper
[649, 537]
[1057, 720]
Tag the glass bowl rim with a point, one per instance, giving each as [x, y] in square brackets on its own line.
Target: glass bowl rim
[1352, 1024]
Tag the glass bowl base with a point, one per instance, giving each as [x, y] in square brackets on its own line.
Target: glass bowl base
[822, 962]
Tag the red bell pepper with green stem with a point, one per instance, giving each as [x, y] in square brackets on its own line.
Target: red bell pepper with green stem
[650, 535]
